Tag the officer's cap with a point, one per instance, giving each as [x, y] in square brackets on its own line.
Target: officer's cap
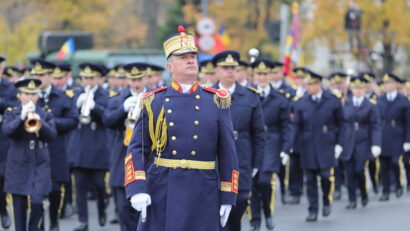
[243, 65]
[11, 71]
[390, 77]
[299, 72]
[180, 43]
[91, 70]
[311, 77]
[226, 58]
[153, 69]
[367, 75]
[41, 67]
[135, 70]
[206, 66]
[117, 71]
[277, 66]
[61, 69]
[358, 81]
[28, 85]
[337, 77]
[262, 65]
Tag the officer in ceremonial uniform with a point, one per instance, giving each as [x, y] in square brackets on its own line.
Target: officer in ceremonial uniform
[8, 98]
[278, 141]
[361, 138]
[207, 73]
[184, 129]
[318, 117]
[66, 119]
[295, 169]
[248, 125]
[88, 144]
[30, 128]
[395, 114]
[121, 114]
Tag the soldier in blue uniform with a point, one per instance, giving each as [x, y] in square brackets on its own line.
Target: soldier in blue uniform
[66, 119]
[30, 128]
[318, 117]
[242, 73]
[183, 131]
[12, 74]
[361, 139]
[121, 114]
[88, 144]
[207, 73]
[395, 114]
[295, 169]
[278, 141]
[8, 98]
[248, 125]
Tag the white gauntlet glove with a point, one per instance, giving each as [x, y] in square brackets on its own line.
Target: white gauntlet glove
[140, 202]
[224, 212]
[376, 151]
[338, 151]
[285, 158]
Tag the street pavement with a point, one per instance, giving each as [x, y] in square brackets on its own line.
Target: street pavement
[393, 215]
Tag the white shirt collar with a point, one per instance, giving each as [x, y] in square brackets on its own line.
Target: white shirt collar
[318, 95]
[46, 92]
[392, 95]
[185, 88]
[244, 83]
[264, 91]
[277, 84]
[231, 89]
[358, 101]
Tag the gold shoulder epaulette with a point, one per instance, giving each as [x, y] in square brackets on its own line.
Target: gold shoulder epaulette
[69, 93]
[296, 98]
[338, 95]
[281, 91]
[373, 101]
[112, 93]
[222, 98]
[253, 90]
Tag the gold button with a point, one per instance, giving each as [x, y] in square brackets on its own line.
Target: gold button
[196, 122]
[173, 138]
[171, 124]
[195, 137]
[174, 152]
[197, 97]
[166, 99]
[197, 108]
[169, 111]
[193, 153]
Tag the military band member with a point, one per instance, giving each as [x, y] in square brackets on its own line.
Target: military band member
[361, 139]
[183, 131]
[8, 98]
[207, 73]
[295, 170]
[318, 117]
[89, 145]
[66, 119]
[30, 128]
[395, 114]
[121, 114]
[248, 125]
[278, 141]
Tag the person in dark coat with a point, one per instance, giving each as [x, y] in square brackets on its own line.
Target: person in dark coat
[30, 129]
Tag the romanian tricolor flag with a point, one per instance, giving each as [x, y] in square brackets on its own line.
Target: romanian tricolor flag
[222, 40]
[292, 49]
[66, 49]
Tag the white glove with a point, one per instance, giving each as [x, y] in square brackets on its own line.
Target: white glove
[140, 202]
[254, 172]
[285, 158]
[224, 212]
[376, 151]
[130, 103]
[406, 146]
[26, 108]
[92, 104]
[338, 151]
[81, 100]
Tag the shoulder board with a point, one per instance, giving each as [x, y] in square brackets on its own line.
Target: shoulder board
[338, 95]
[9, 109]
[222, 98]
[112, 93]
[373, 101]
[374, 96]
[221, 93]
[253, 90]
[69, 93]
[285, 94]
[281, 91]
[210, 89]
[296, 98]
[148, 94]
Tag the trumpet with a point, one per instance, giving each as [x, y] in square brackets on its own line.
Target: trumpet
[85, 115]
[133, 114]
[32, 123]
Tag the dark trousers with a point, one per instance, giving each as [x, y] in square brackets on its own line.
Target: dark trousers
[388, 165]
[3, 203]
[55, 202]
[127, 215]
[406, 160]
[374, 167]
[263, 196]
[282, 175]
[355, 171]
[20, 206]
[327, 184]
[339, 175]
[295, 176]
[84, 178]
[235, 217]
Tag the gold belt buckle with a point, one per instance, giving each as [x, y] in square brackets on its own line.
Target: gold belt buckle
[183, 163]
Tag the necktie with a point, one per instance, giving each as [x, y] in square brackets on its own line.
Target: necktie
[263, 94]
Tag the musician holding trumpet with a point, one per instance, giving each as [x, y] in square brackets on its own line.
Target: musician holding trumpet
[28, 162]
[122, 113]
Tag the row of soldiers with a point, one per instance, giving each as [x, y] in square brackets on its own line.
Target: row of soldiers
[304, 128]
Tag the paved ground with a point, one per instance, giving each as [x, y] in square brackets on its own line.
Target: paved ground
[391, 216]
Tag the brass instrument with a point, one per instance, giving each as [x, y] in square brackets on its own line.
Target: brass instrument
[131, 120]
[32, 123]
[85, 115]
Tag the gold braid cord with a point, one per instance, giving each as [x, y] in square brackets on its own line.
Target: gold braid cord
[159, 135]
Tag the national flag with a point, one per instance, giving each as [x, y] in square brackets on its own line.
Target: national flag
[67, 48]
